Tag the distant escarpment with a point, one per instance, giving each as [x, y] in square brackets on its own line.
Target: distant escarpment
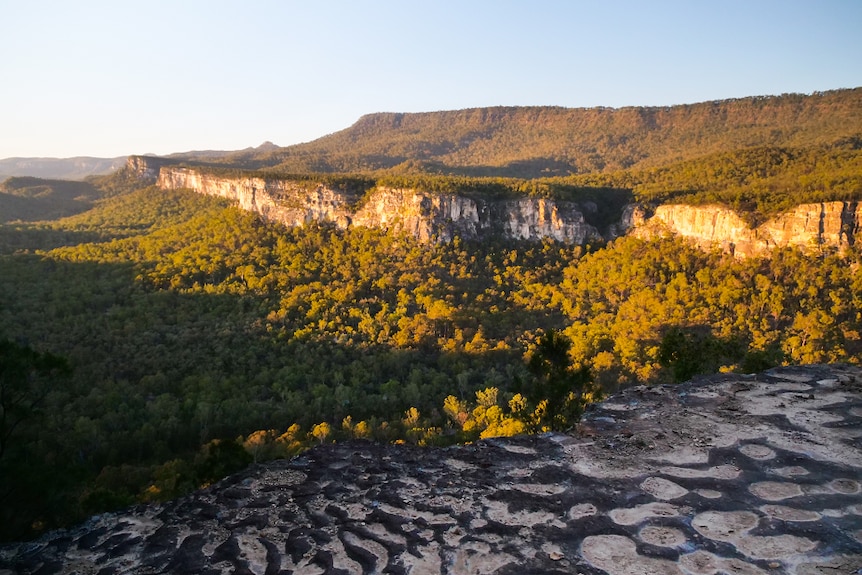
[428, 216]
[542, 141]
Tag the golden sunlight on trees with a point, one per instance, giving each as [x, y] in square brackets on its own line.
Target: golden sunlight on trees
[204, 338]
[321, 431]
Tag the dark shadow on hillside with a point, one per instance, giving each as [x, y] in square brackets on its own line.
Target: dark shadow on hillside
[694, 350]
[155, 374]
[158, 373]
[34, 199]
[25, 237]
[526, 169]
[23, 209]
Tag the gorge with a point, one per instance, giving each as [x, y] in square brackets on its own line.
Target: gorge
[284, 306]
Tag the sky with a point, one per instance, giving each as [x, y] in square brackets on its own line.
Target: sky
[111, 78]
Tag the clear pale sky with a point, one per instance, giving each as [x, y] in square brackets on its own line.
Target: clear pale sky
[110, 78]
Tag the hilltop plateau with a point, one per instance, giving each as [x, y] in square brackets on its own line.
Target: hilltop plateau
[532, 142]
[760, 173]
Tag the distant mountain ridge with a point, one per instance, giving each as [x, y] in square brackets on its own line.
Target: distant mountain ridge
[531, 142]
[76, 168]
[81, 167]
[792, 159]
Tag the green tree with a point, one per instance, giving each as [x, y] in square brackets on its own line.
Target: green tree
[26, 379]
[562, 388]
[218, 459]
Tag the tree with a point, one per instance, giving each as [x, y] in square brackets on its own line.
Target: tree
[321, 431]
[26, 379]
[563, 389]
[218, 459]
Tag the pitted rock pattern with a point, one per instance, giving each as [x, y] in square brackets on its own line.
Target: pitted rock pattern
[728, 474]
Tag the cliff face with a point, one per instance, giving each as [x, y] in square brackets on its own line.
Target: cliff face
[808, 226]
[278, 200]
[426, 216]
[439, 217]
[146, 168]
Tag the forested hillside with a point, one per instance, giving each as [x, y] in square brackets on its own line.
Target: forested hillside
[530, 142]
[758, 155]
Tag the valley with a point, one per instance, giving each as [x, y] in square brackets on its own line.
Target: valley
[208, 312]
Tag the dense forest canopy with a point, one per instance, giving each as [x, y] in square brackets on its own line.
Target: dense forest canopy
[154, 341]
[185, 321]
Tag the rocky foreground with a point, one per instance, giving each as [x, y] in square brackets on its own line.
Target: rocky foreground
[729, 474]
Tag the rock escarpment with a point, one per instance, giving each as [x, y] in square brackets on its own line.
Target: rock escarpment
[146, 168]
[439, 217]
[807, 226]
[730, 474]
[428, 216]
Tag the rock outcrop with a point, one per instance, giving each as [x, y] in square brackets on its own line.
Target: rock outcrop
[439, 217]
[807, 226]
[146, 168]
[290, 202]
[729, 474]
[425, 215]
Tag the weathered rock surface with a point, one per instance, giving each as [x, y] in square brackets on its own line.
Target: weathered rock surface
[807, 226]
[146, 168]
[729, 474]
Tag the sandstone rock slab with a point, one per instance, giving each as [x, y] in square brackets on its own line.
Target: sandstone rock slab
[679, 483]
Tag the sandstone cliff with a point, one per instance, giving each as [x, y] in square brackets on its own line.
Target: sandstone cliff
[146, 168]
[427, 216]
[439, 217]
[808, 226]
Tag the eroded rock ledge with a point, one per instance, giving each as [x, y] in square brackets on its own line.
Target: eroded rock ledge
[728, 474]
